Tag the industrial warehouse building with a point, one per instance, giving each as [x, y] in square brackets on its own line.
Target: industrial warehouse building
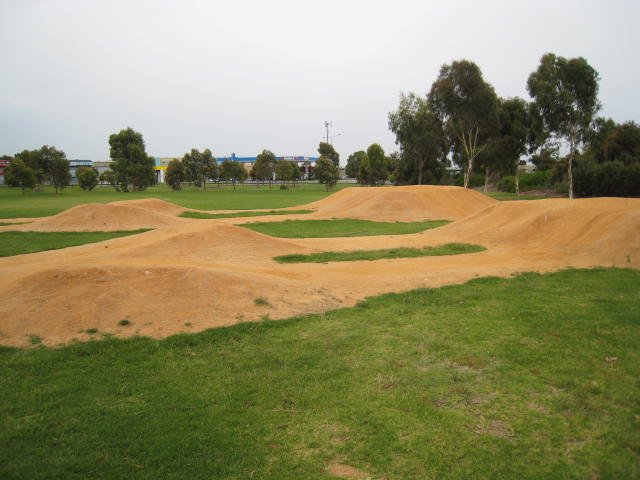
[306, 163]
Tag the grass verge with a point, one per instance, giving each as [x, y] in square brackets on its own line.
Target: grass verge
[534, 377]
[18, 243]
[249, 213]
[340, 228]
[407, 252]
[44, 202]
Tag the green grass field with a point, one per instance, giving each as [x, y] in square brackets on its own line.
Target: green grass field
[505, 196]
[370, 255]
[248, 213]
[18, 243]
[248, 197]
[340, 228]
[535, 377]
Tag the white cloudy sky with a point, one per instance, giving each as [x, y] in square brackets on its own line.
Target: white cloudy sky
[240, 76]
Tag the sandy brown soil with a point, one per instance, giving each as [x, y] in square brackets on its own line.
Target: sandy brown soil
[188, 275]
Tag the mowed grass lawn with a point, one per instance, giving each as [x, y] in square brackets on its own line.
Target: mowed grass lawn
[19, 243]
[535, 377]
[340, 228]
[247, 197]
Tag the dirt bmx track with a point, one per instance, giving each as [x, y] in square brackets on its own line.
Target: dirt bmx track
[187, 275]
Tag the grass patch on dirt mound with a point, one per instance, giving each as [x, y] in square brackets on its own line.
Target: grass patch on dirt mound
[18, 243]
[205, 215]
[340, 228]
[532, 377]
[406, 252]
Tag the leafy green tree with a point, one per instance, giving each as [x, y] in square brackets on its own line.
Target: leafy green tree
[19, 174]
[41, 161]
[130, 163]
[565, 94]
[504, 150]
[284, 171]
[353, 163]
[175, 174]
[33, 160]
[545, 160]
[296, 173]
[613, 142]
[363, 172]
[87, 178]
[233, 171]
[326, 172]
[328, 151]
[108, 177]
[60, 174]
[193, 167]
[421, 136]
[377, 171]
[467, 105]
[200, 167]
[265, 166]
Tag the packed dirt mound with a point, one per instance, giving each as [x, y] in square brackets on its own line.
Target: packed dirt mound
[157, 301]
[99, 217]
[211, 240]
[405, 204]
[154, 205]
[599, 226]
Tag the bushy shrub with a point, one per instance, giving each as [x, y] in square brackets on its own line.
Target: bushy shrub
[528, 181]
[87, 178]
[591, 179]
[476, 180]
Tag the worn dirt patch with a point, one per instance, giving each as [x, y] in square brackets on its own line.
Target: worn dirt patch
[343, 470]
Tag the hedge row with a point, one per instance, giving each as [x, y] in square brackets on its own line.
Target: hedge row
[610, 179]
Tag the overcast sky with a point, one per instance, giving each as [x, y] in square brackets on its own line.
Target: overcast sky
[241, 76]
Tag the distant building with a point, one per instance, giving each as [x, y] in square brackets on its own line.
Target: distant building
[74, 165]
[3, 164]
[101, 167]
[524, 167]
[308, 164]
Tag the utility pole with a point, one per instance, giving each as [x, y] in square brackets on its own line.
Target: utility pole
[327, 125]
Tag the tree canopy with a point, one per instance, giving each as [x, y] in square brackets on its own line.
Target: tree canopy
[326, 172]
[264, 167]
[328, 151]
[233, 171]
[353, 163]
[467, 105]
[175, 174]
[130, 163]
[565, 94]
[421, 136]
[200, 167]
[87, 177]
[376, 166]
[19, 174]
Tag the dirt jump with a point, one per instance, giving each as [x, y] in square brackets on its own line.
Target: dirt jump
[187, 275]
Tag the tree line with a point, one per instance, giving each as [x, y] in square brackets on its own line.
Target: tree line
[462, 121]
[132, 169]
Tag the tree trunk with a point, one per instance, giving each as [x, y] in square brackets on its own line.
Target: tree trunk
[487, 173]
[572, 142]
[420, 173]
[517, 180]
[471, 149]
[467, 174]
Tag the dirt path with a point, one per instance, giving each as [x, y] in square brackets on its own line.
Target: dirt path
[188, 275]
